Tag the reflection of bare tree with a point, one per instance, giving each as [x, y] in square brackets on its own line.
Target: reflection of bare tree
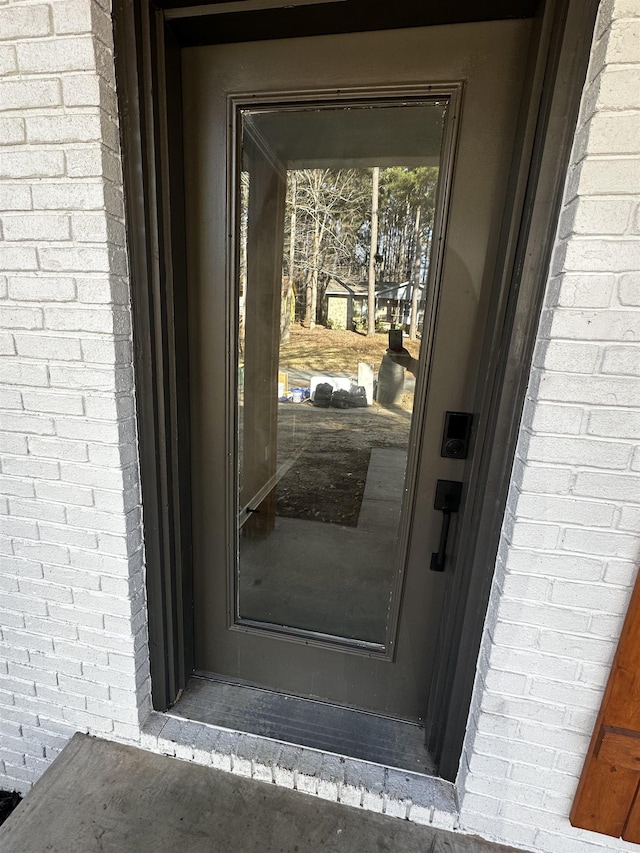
[292, 200]
[242, 271]
[329, 205]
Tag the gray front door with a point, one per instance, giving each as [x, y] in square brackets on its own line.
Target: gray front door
[314, 526]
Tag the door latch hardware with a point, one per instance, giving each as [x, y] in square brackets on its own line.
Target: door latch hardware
[447, 500]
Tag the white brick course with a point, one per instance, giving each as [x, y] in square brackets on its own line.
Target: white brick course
[48, 348]
[22, 164]
[12, 131]
[15, 197]
[47, 227]
[570, 544]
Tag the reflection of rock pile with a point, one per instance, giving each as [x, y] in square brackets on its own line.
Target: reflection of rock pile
[354, 398]
[364, 382]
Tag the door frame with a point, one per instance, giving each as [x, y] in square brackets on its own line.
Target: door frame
[148, 40]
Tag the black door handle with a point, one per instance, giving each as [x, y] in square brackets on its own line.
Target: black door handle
[447, 499]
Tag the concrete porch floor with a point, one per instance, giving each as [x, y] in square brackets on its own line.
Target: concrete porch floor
[102, 797]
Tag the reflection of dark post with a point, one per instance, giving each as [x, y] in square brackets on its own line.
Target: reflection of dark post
[265, 234]
[390, 382]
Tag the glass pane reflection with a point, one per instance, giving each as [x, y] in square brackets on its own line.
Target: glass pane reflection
[325, 409]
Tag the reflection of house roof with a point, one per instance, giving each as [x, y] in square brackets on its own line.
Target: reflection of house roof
[384, 289]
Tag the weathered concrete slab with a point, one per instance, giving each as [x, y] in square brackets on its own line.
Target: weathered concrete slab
[101, 797]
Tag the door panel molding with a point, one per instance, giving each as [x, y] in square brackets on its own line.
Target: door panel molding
[351, 97]
[148, 79]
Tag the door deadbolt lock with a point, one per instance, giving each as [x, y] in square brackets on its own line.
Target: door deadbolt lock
[455, 436]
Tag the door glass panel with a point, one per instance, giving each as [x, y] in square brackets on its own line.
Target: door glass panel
[335, 202]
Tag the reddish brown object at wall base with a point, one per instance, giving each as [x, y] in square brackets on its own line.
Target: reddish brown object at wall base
[607, 797]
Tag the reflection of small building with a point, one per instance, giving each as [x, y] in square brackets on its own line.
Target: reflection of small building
[345, 303]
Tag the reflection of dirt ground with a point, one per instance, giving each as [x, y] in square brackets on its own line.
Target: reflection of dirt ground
[331, 449]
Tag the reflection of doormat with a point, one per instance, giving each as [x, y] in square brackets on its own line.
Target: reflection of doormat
[324, 484]
[8, 801]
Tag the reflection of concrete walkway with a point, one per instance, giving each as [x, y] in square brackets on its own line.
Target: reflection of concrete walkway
[328, 578]
[318, 577]
[383, 491]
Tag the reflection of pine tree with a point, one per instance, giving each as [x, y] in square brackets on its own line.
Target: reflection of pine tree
[373, 252]
[407, 196]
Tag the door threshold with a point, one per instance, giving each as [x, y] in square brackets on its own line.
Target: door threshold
[410, 794]
[319, 725]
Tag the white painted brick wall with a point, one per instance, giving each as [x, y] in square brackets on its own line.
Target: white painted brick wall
[570, 546]
[73, 647]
